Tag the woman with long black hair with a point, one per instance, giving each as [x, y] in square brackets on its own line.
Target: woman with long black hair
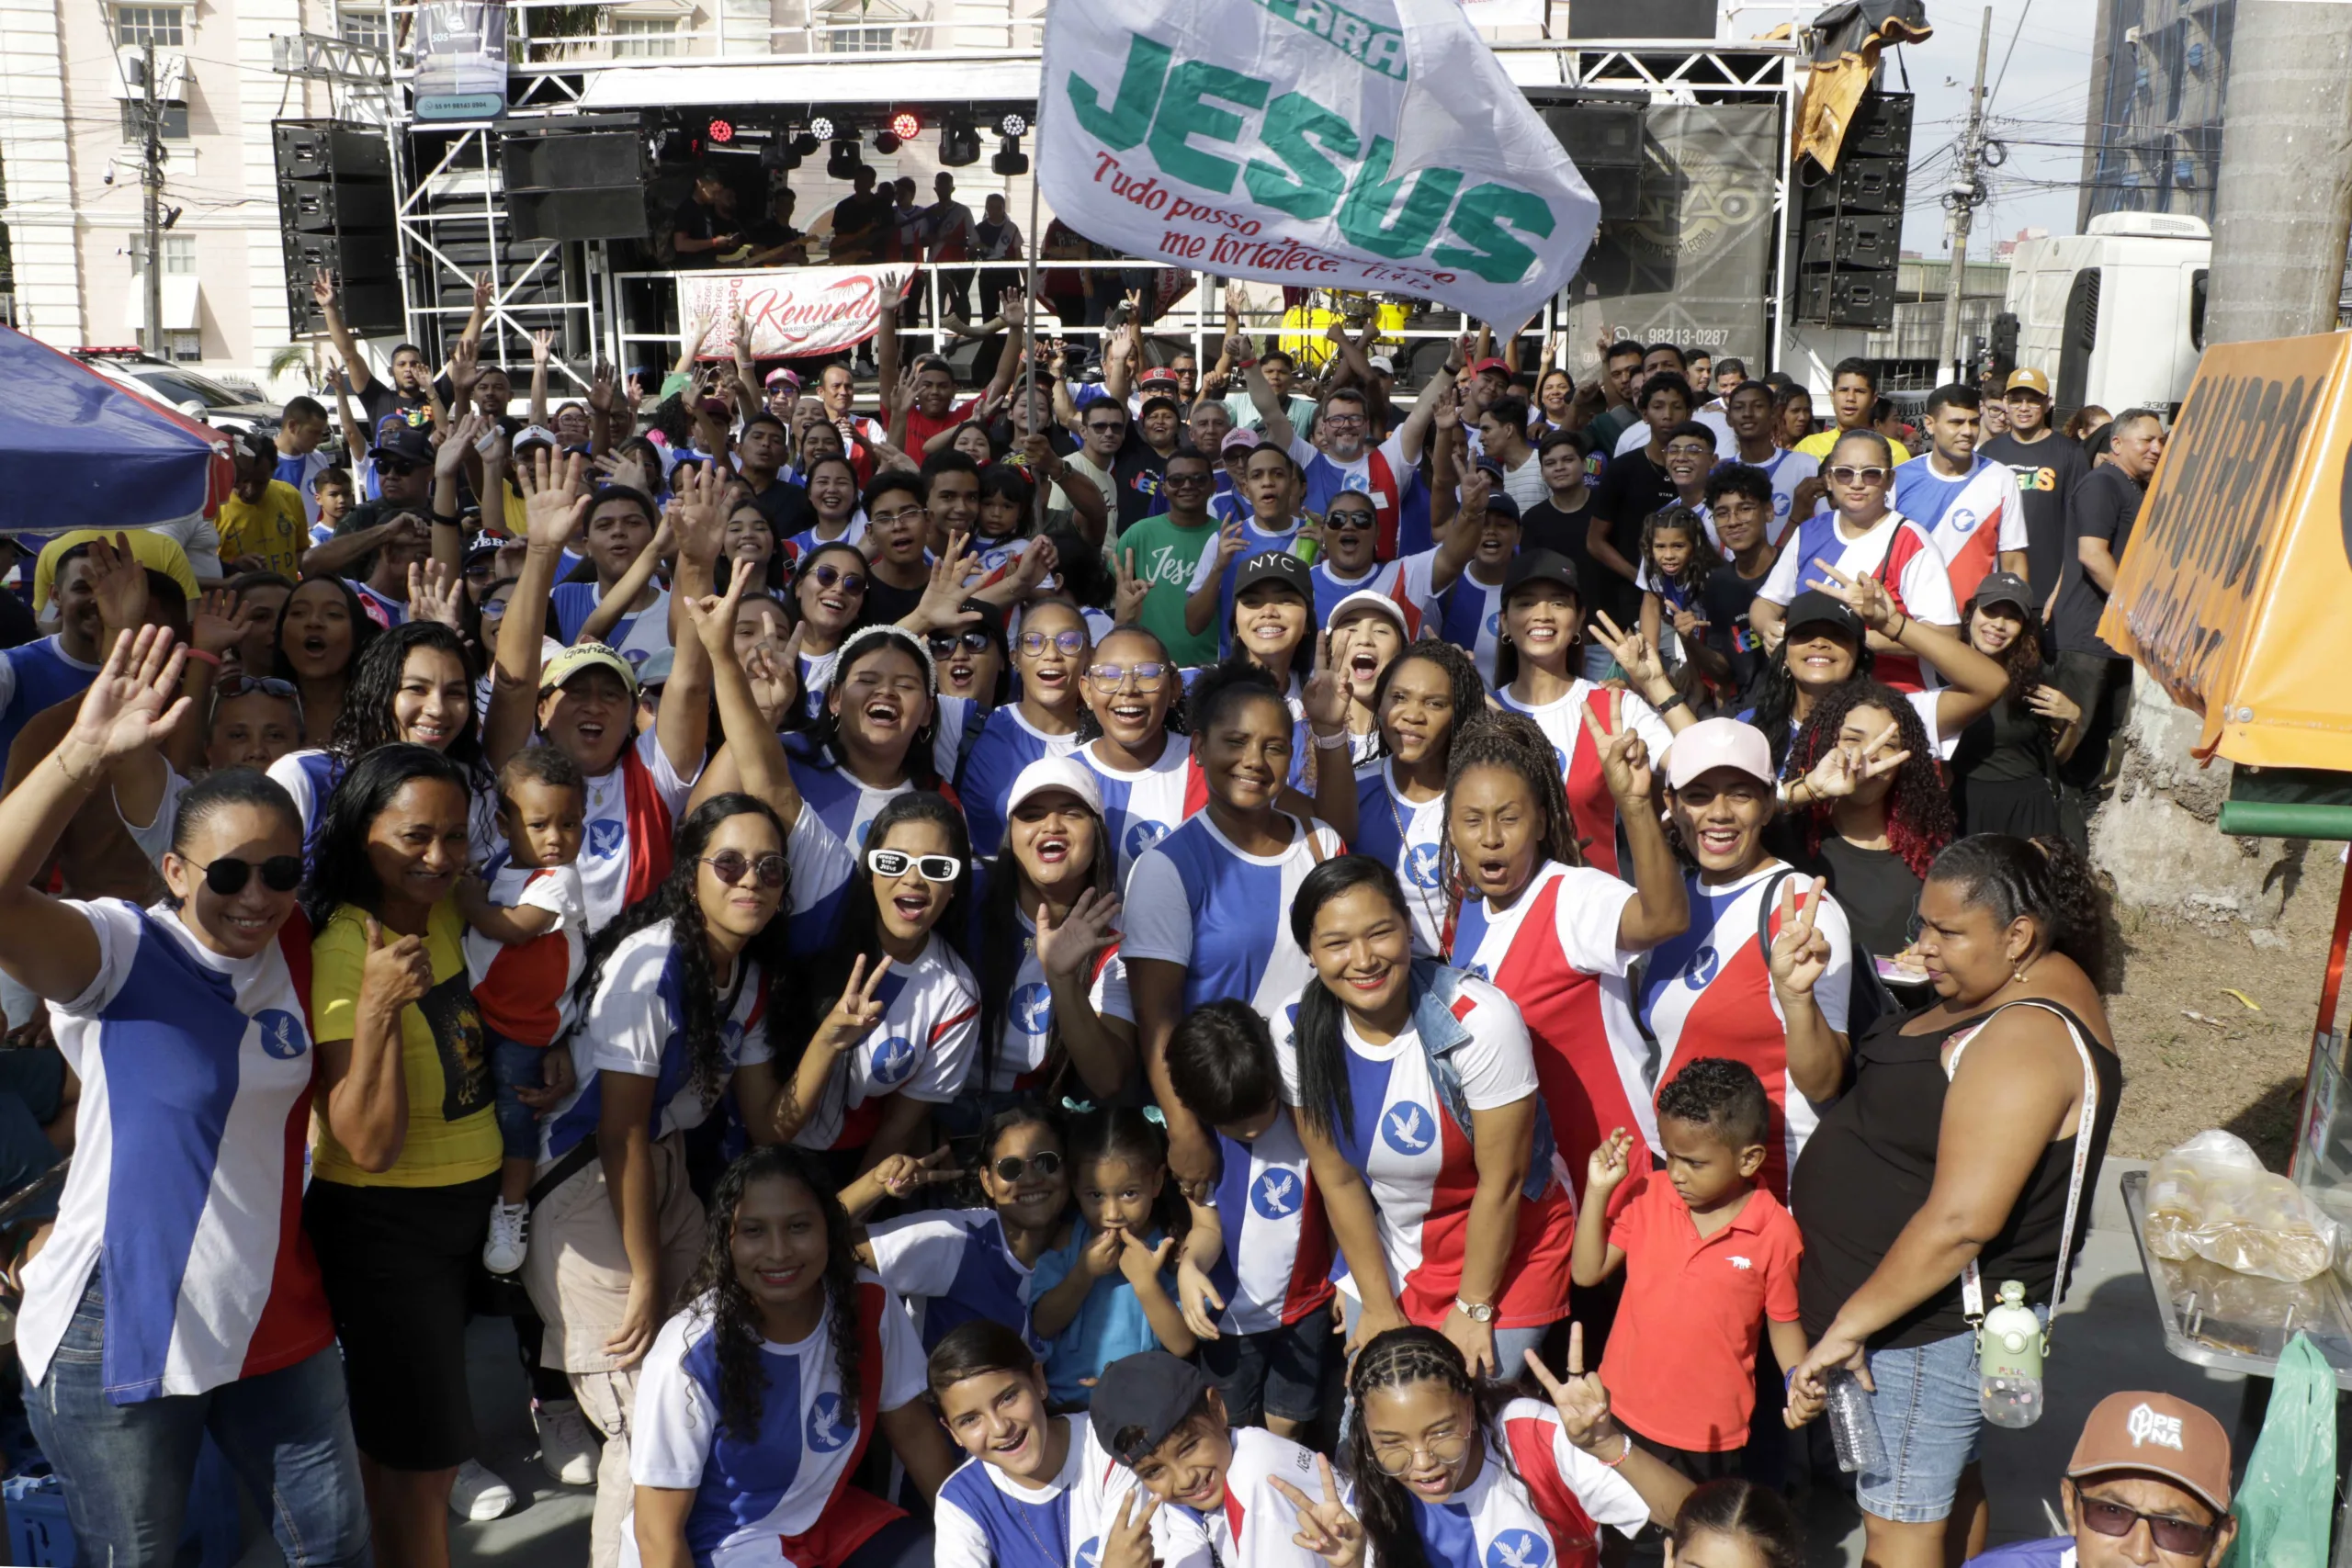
[1421, 700]
[1417, 1100]
[674, 1002]
[827, 600]
[320, 634]
[2005, 769]
[759, 1398]
[1874, 839]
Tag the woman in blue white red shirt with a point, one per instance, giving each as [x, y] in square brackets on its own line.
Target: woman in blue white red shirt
[1415, 1089]
[1455, 1471]
[1763, 973]
[1150, 783]
[827, 598]
[759, 1398]
[1204, 905]
[1052, 992]
[884, 730]
[1424, 695]
[187, 1023]
[1556, 935]
[1048, 655]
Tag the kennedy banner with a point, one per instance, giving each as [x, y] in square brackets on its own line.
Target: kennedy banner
[1375, 145]
[793, 311]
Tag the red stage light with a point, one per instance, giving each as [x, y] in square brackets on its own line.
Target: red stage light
[722, 130]
[904, 126]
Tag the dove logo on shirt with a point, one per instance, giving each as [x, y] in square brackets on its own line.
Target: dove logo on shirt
[1142, 835]
[1089, 1552]
[1420, 865]
[282, 1035]
[1275, 1194]
[1032, 1009]
[1519, 1548]
[894, 1061]
[605, 836]
[831, 1424]
[1702, 967]
[1408, 1129]
[1494, 623]
[1961, 520]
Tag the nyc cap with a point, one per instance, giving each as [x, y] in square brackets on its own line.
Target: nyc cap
[2159, 1435]
[1275, 566]
[1151, 1393]
[1714, 743]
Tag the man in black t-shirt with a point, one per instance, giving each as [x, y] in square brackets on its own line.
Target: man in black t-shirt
[700, 230]
[412, 385]
[2101, 511]
[774, 242]
[1633, 485]
[1740, 498]
[2048, 467]
[760, 453]
[1562, 519]
[860, 221]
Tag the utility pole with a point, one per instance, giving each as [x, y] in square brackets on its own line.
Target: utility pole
[2282, 206]
[151, 181]
[1961, 199]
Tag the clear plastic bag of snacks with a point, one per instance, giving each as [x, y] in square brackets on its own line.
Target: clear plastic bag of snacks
[2210, 1198]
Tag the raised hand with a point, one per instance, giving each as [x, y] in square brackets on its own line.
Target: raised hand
[1632, 651]
[941, 608]
[1325, 1529]
[600, 387]
[1799, 954]
[1581, 1400]
[542, 345]
[701, 521]
[1864, 594]
[713, 615]
[1605, 1168]
[775, 672]
[1067, 951]
[483, 291]
[555, 504]
[434, 593]
[450, 456]
[1325, 694]
[1842, 770]
[1127, 1543]
[902, 1174]
[1624, 755]
[1128, 599]
[1477, 488]
[216, 624]
[323, 288]
[900, 395]
[1230, 542]
[465, 370]
[856, 1012]
[119, 583]
[397, 974]
[133, 704]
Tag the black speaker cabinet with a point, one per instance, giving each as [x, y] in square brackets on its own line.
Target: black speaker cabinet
[581, 186]
[1865, 239]
[1864, 300]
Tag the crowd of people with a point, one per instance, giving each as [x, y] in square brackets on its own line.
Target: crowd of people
[1244, 970]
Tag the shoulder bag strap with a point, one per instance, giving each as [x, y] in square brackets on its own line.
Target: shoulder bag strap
[1971, 1280]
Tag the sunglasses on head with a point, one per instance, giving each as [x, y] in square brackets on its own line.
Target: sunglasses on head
[268, 685]
[1013, 1168]
[827, 575]
[1847, 476]
[228, 875]
[942, 646]
[1149, 674]
[2177, 1535]
[730, 866]
[931, 868]
[1035, 643]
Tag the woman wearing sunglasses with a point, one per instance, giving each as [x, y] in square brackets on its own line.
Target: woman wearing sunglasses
[828, 597]
[398, 1239]
[674, 1002]
[1862, 535]
[188, 1027]
[1048, 655]
[902, 1037]
[973, 661]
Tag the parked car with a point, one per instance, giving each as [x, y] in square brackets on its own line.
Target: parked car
[189, 391]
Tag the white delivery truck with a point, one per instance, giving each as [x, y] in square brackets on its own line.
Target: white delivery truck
[2114, 317]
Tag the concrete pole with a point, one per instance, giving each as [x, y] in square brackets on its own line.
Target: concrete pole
[151, 184]
[2283, 200]
[1963, 199]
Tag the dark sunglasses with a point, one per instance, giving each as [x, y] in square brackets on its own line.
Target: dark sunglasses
[2179, 1537]
[827, 575]
[931, 868]
[730, 866]
[228, 875]
[1354, 517]
[1013, 1168]
[1184, 482]
[1035, 643]
[398, 467]
[944, 646]
[268, 685]
[1105, 426]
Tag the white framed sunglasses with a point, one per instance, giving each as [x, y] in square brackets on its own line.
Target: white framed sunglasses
[931, 868]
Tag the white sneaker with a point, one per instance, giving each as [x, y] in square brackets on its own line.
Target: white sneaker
[477, 1495]
[567, 1445]
[510, 1231]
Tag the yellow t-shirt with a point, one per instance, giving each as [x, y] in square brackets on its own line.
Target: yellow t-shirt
[275, 528]
[452, 1136]
[158, 551]
[1821, 443]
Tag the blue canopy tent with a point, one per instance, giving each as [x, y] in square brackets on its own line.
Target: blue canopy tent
[78, 450]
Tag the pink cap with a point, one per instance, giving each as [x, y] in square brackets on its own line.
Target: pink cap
[1714, 743]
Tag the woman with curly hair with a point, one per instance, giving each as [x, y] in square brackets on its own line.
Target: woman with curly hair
[759, 1398]
[674, 1004]
[1874, 831]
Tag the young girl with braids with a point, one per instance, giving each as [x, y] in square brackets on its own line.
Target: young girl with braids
[1453, 1471]
[1735, 1523]
[1556, 935]
[1421, 700]
[1875, 843]
[759, 1398]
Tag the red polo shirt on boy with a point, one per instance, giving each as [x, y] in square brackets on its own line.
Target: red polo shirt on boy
[1680, 1368]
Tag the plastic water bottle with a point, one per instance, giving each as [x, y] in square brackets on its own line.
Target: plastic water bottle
[1853, 1429]
[2008, 1360]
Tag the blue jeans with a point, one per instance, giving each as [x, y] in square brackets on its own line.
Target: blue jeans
[1928, 1419]
[127, 1468]
[514, 1066]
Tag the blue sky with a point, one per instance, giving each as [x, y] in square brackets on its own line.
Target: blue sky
[2037, 111]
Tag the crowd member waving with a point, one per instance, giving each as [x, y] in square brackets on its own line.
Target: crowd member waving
[1150, 783]
[1763, 972]
[2012, 1072]
[760, 1397]
[1556, 934]
[1204, 905]
[584, 700]
[188, 1026]
[1537, 674]
[398, 1241]
[1422, 699]
[673, 1006]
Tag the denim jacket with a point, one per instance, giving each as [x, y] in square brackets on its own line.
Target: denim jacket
[1436, 987]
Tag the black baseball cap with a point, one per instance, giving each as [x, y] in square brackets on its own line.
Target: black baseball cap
[1506, 504]
[1813, 604]
[407, 444]
[2006, 588]
[1139, 1400]
[1275, 566]
[1539, 566]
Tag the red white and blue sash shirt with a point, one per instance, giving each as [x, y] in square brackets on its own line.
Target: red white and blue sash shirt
[1400, 502]
[923, 1048]
[1142, 807]
[1562, 721]
[1194, 899]
[1276, 1268]
[984, 1518]
[1895, 550]
[1972, 519]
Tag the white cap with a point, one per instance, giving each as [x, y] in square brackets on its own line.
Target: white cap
[1383, 365]
[1057, 773]
[1714, 743]
[1369, 598]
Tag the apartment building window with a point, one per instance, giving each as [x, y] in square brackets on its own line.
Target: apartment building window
[645, 38]
[185, 348]
[863, 28]
[166, 26]
[134, 120]
[363, 25]
[179, 255]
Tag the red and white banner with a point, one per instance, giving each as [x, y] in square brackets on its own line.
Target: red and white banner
[793, 311]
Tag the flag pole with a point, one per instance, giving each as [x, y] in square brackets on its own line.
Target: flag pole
[1029, 344]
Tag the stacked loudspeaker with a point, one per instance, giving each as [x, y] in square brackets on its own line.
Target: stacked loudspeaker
[335, 210]
[585, 184]
[1853, 221]
[1604, 141]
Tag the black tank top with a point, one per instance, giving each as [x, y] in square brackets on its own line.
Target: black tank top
[1867, 1169]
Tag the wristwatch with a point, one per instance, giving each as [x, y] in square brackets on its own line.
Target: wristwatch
[1477, 1312]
